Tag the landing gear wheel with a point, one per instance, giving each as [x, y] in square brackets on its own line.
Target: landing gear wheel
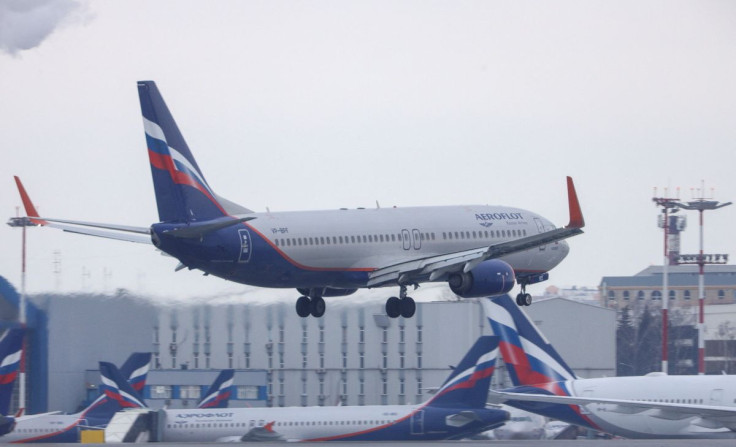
[393, 307]
[408, 307]
[302, 306]
[524, 299]
[317, 306]
[527, 299]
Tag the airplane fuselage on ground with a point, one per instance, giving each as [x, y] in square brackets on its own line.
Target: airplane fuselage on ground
[353, 423]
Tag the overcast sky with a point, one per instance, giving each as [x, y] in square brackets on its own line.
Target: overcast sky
[297, 105]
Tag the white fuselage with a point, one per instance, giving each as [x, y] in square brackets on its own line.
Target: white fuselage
[370, 422]
[707, 391]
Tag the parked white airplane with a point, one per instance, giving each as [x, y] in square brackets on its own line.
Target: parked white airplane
[479, 250]
[651, 406]
[456, 411]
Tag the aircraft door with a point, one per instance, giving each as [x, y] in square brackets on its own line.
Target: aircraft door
[417, 239]
[417, 423]
[406, 239]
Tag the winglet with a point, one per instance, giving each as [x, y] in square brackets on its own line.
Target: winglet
[27, 204]
[576, 214]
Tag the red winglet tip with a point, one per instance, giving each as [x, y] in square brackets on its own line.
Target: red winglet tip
[576, 214]
[269, 426]
[27, 203]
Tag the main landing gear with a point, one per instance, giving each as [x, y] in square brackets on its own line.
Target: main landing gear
[402, 306]
[313, 305]
[524, 299]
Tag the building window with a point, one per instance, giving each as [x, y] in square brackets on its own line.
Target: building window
[626, 295]
[611, 295]
[190, 392]
[161, 392]
[673, 295]
[686, 295]
[721, 294]
[640, 295]
[656, 295]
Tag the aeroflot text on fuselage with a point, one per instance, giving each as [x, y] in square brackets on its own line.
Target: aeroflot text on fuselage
[499, 216]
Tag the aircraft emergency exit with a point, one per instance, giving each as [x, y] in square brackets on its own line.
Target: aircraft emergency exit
[479, 250]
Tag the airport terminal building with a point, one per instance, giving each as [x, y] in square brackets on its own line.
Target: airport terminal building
[354, 355]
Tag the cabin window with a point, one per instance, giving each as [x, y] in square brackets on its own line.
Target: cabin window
[311, 241]
[381, 236]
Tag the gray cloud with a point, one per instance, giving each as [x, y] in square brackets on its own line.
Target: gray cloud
[25, 24]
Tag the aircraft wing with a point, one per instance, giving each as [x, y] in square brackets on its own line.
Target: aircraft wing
[437, 266]
[120, 232]
[710, 416]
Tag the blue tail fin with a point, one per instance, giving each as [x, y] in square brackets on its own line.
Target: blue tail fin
[117, 389]
[218, 395]
[467, 386]
[11, 352]
[135, 370]
[182, 193]
[529, 357]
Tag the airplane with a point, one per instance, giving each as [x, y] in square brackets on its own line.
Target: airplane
[457, 410]
[218, 394]
[56, 428]
[652, 406]
[11, 352]
[479, 250]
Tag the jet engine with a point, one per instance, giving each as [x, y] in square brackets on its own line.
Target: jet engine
[489, 278]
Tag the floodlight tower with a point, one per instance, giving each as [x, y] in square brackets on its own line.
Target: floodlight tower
[702, 204]
[669, 205]
[22, 222]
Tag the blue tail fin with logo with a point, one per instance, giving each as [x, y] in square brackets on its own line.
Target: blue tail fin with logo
[135, 370]
[11, 353]
[218, 395]
[182, 193]
[530, 359]
[468, 385]
[117, 389]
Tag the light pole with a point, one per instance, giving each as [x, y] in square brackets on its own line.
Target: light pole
[701, 204]
[22, 222]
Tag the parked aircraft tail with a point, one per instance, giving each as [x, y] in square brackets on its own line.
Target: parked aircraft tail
[529, 357]
[135, 369]
[182, 193]
[117, 389]
[218, 395]
[11, 351]
[467, 386]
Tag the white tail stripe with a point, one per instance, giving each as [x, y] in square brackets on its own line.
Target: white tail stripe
[143, 370]
[11, 359]
[154, 131]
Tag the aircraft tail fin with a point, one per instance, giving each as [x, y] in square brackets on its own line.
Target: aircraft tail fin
[218, 395]
[529, 357]
[135, 370]
[11, 352]
[468, 385]
[117, 389]
[182, 193]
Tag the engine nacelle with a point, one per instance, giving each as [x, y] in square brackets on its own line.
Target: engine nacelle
[489, 278]
[328, 292]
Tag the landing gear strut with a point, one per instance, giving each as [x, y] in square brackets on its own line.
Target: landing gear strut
[313, 305]
[402, 306]
[524, 299]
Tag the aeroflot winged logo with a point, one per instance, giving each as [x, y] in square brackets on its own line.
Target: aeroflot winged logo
[9, 367]
[167, 158]
[110, 378]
